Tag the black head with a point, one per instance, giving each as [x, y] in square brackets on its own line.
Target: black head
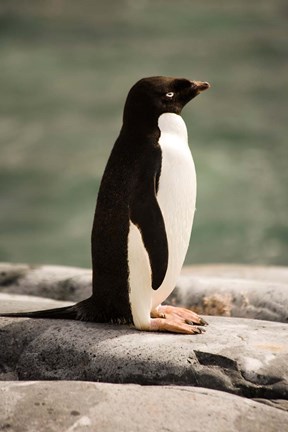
[153, 96]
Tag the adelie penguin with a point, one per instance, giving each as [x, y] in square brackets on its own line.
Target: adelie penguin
[144, 215]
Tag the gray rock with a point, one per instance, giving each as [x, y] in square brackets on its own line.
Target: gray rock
[25, 303]
[237, 291]
[42, 406]
[229, 290]
[239, 271]
[54, 282]
[240, 356]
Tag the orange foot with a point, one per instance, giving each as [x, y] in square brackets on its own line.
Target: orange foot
[176, 320]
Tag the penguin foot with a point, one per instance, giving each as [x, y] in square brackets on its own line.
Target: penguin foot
[174, 326]
[186, 315]
[176, 320]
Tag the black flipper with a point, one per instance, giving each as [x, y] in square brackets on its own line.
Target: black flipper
[67, 312]
[146, 214]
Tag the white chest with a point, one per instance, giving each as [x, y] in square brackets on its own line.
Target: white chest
[176, 196]
[177, 185]
[178, 177]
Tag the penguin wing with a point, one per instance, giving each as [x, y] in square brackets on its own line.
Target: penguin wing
[146, 214]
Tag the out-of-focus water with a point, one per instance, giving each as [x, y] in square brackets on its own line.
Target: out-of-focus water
[64, 74]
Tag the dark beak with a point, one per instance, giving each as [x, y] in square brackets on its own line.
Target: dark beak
[200, 86]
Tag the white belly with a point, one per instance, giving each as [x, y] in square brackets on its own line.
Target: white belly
[176, 197]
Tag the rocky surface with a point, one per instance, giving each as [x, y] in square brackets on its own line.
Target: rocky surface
[54, 282]
[240, 356]
[228, 290]
[237, 291]
[234, 377]
[23, 303]
[130, 408]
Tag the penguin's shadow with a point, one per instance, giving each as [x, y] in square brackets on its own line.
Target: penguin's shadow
[46, 349]
[29, 329]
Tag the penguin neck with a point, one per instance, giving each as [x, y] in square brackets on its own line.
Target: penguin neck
[173, 124]
[167, 123]
[140, 129]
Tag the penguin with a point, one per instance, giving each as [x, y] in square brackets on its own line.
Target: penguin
[144, 215]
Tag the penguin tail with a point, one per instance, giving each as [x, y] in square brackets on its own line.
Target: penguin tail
[67, 312]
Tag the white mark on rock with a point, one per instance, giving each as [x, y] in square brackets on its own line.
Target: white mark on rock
[252, 364]
[269, 358]
[82, 421]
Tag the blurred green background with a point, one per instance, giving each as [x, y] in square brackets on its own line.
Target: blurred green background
[65, 70]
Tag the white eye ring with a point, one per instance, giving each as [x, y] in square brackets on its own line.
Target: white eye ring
[170, 94]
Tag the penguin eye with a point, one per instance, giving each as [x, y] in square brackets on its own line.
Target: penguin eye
[170, 95]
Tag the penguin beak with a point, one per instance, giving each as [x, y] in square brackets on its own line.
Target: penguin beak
[200, 86]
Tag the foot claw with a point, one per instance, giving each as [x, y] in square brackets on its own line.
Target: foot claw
[189, 322]
[201, 330]
[203, 322]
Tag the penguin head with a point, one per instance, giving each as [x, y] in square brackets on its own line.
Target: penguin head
[153, 96]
